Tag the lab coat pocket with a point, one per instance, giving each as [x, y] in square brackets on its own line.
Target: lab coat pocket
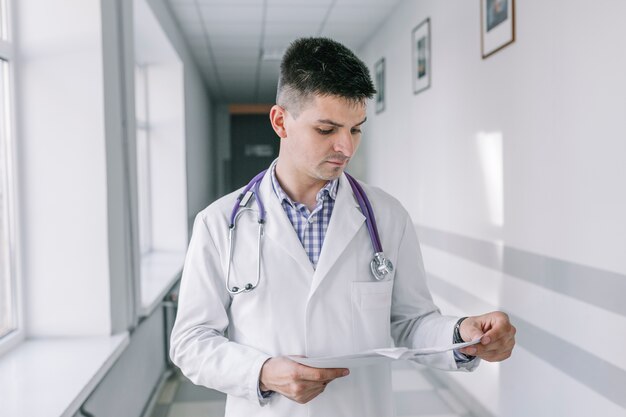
[371, 306]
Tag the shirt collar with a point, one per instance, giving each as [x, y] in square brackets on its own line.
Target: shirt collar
[330, 189]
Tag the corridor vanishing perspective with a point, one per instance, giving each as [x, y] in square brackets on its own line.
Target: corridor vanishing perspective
[422, 174]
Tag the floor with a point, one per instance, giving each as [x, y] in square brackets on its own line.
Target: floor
[416, 394]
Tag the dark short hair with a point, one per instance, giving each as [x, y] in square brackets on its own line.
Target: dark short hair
[321, 66]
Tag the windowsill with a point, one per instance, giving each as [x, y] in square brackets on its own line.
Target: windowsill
[53, 377]
[159, 272]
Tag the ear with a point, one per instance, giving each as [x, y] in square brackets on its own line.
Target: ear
[277, 118]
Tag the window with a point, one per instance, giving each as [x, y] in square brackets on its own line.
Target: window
[143, 159]
[3, 21]
[8, 301]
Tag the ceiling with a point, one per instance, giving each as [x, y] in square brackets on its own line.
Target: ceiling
[238, 43]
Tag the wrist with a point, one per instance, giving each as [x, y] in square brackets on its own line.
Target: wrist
[263, 383]
[456, 336]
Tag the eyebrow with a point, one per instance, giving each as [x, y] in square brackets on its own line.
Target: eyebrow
[330, 122]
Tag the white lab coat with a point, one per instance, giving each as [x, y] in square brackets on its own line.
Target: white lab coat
[221, 341]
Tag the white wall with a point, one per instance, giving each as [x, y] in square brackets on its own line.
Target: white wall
[521, 151]
[199, 125]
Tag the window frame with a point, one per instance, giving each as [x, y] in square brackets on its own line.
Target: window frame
[143, 159]
[9, 142]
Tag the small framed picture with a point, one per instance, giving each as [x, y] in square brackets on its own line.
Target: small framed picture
[421, 56]
[497, 25]
[379, 77]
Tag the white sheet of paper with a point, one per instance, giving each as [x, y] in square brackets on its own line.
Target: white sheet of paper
[376, 356]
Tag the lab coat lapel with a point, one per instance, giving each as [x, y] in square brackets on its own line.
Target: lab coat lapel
[345, 222]
[279, 228]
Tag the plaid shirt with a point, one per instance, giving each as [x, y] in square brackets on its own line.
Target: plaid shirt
[310, 226]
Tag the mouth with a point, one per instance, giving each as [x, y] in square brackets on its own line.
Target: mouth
[337, 163]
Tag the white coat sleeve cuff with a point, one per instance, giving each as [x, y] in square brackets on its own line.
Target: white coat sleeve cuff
[469, 365]
[255, 378]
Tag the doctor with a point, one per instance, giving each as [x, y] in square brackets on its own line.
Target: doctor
[316, 294]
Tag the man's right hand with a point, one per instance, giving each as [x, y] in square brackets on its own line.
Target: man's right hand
[295, 381]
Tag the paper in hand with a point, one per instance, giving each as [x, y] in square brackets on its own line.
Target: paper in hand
[376, 356]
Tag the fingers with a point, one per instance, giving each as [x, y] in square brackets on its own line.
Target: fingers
[297, 382]
[302, 392]
[498, 339]
[500, 352]
[321, 374]
[309, 382]
[499, 327]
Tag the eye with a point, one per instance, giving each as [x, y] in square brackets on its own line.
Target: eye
[324, 131]
[356, 131]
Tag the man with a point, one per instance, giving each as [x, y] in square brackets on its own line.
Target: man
[316, 295]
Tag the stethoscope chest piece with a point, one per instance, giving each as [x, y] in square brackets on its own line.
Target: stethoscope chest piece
[381, 266]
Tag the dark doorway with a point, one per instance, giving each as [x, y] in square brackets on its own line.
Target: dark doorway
[254, 145]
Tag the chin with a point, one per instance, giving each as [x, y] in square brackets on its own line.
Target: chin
[333, 174]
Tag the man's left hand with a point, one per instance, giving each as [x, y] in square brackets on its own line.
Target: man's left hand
[496, 332]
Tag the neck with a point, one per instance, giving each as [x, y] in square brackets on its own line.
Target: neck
[297, 185]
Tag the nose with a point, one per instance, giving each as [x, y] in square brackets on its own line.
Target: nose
[345, 144]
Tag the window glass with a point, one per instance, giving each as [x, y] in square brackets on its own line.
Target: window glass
[143, 159]
[7, 299]
[3, 20]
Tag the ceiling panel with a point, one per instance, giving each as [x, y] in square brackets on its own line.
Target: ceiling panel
[234, 41]
[361, 3]
[237, 31]
[232, 2]
[278, 42]
[298, 3]
[239, 96]
[247, 80]
[242, 88]
[232, 13]
[296, 14]
[291, 29]
[226, 49]
[240, 59]
[234, 73]
[354, 17]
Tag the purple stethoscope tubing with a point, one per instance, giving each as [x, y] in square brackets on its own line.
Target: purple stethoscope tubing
[253, 183]
[366, 207]
[380, 265]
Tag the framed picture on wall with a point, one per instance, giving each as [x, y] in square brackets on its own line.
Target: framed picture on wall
[379, 80]
[497, 25]
[420, 43]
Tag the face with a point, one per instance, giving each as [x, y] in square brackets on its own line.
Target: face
[319, 142]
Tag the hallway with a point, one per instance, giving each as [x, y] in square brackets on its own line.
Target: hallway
[489, 136]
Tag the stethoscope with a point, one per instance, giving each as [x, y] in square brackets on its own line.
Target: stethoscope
[380, 265]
